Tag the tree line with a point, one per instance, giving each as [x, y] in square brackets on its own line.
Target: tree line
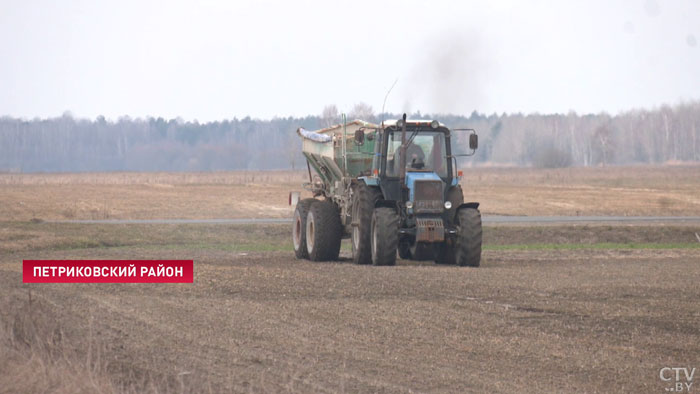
[69, 144]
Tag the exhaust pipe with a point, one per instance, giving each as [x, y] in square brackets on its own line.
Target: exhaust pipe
[402, 161]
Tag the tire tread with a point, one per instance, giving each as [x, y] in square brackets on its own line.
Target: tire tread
[303, 209]
[468, 248]
[386, 221]
[328, 232]
[366, 197]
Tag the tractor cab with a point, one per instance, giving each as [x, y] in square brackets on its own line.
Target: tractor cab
[413, 152]
[425, 152]
[390, 188]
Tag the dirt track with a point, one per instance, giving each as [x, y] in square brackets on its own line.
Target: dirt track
[527, 321]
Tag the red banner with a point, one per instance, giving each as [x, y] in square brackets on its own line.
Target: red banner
[107, 271]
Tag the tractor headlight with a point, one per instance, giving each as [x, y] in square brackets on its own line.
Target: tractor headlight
[448, 205]
[435, 124]
[409, 204]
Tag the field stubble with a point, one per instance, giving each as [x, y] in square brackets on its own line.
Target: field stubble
[631, 191]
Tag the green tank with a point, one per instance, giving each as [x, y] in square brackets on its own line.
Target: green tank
[324, 151]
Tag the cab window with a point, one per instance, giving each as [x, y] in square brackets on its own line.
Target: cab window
[425, 153]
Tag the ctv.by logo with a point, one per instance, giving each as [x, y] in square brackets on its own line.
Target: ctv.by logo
[680, 379]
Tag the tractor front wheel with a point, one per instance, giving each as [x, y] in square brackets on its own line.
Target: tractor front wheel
[385, 236]
[465, 249]
[468, 249]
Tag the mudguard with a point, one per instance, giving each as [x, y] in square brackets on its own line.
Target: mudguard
[472, 205]
[369, 180]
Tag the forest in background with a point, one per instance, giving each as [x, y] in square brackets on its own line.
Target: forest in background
[69, 144]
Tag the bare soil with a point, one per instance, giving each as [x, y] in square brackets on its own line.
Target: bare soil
[256, 320]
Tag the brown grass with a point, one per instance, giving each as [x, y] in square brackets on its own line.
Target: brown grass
[36, 355]
[40, 353]
[631, 191]
[154, 178]
[644, 190]
[147, 195]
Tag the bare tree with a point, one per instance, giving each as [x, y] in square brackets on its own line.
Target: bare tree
[603, 144]
[66, 143]
[329, 116]
[362, 111]
[293, 150]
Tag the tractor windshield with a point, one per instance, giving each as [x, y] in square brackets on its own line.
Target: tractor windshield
[425, 153]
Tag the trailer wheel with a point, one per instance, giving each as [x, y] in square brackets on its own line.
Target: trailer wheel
[385, 236]
[468, 248]
[363, 201]
[323, 231]
[299, 227]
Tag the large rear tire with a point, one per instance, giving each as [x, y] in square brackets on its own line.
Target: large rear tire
[363, 201]
[385, 236]
[323, 231]
[299, 228]
[468, 248]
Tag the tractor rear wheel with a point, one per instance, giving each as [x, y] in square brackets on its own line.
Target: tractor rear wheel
[385, 236]
[468, 248]
[323, 231]
[363, 200]
[299, 227]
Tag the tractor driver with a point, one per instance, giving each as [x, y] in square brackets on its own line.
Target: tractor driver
[415, 158]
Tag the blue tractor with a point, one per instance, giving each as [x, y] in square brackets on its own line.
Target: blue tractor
[392, 189]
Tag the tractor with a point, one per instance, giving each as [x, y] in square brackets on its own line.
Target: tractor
[393, 189]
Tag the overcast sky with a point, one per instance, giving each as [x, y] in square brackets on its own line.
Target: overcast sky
[216, 60]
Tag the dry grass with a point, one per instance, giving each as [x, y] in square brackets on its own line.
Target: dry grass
[37, 358]
[644, 190]
[154, 178]
[146, 195]
[40, 353]
[630, 191]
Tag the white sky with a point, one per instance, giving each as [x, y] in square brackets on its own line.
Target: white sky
[215, 60]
